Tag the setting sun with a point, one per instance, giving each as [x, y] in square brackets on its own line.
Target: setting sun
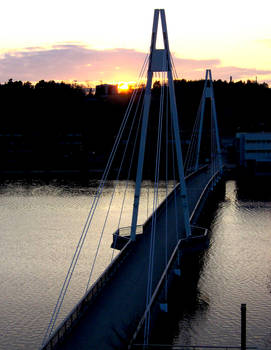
[123, 86]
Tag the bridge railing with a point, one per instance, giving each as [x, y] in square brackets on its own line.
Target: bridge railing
[121, 235]
[174, 254]
[203, 193]
[198, 232]
[172, 194]
[155, 293]
[73, 317]
[71, 320]
[187, 347]
[200, 170]
[126, 231]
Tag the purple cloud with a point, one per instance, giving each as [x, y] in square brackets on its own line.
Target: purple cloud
[69, 62]
[72, 61]
[237, 73]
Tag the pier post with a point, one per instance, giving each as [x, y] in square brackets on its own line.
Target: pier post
[243, 326]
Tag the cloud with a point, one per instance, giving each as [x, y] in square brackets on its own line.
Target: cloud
[73, 61]
[237, 73]
[69, 62]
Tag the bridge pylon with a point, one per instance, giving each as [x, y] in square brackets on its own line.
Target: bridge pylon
[160, 61]
[208, 92]
[192, 162]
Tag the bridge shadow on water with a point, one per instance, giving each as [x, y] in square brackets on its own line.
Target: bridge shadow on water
[184, 300]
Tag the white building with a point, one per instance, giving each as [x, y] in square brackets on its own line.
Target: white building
[255, 151]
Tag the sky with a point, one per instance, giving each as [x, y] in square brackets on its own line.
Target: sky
[107, 41]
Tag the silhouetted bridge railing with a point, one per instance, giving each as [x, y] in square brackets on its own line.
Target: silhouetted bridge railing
[198, 187]
[187, 347]
[65, 328]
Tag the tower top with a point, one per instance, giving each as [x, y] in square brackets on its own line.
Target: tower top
[159, 58]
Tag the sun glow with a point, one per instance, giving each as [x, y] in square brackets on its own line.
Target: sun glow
[124, 86]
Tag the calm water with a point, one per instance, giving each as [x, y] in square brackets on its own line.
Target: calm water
[40, 227]
[235, 269]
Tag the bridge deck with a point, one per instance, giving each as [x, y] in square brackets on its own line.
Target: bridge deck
[121, 303]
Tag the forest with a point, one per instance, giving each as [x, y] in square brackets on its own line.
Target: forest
[55, 126]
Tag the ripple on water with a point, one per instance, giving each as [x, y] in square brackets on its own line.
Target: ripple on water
[236, 269]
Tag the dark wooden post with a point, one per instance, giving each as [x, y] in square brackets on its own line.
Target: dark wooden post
[243, 326]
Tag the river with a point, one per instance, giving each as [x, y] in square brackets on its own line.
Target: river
[235, 269]
[40, 226]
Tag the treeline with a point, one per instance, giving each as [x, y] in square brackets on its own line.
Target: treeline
[53, 125]
[57, 126]
[45, 106]
[241, 106]
[60, 107]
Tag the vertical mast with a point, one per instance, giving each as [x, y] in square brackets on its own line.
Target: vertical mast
[174, 116]
[146, 109]
[208, 92]
[202, 108]
[215, 122]
[160, 61]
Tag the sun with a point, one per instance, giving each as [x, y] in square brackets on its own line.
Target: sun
[123, 86]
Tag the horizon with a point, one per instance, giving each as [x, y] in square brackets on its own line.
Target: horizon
[127, 87]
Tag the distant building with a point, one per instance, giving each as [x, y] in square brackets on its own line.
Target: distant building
[254, 150]
[88, 91]
[106, 89]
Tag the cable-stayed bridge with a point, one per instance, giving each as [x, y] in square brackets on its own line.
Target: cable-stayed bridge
[120, 305]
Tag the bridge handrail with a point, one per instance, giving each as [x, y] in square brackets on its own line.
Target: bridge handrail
[160, 284]
[140, 228]
[69, 322]
[127, 229]
[171, 194]
[203, 167]
[203, 193]
[189, 347]
[165, 272]
[155, 293]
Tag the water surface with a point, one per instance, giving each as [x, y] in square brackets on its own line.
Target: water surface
[40, 226]
[236, 269]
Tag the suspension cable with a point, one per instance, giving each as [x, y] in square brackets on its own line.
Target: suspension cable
[174, 178]
[190, 156]
[111, 199]
[166, 179]
[130, 167]
[175, 74]
[116, 184]
[88, 220]
[153, 228]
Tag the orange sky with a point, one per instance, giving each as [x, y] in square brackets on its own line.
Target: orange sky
[82, 41]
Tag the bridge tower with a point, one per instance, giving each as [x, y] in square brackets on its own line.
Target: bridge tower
[160, 61]
[208, 92]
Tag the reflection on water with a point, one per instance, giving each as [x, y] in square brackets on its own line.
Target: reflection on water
[40, 226]
[235, 269]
